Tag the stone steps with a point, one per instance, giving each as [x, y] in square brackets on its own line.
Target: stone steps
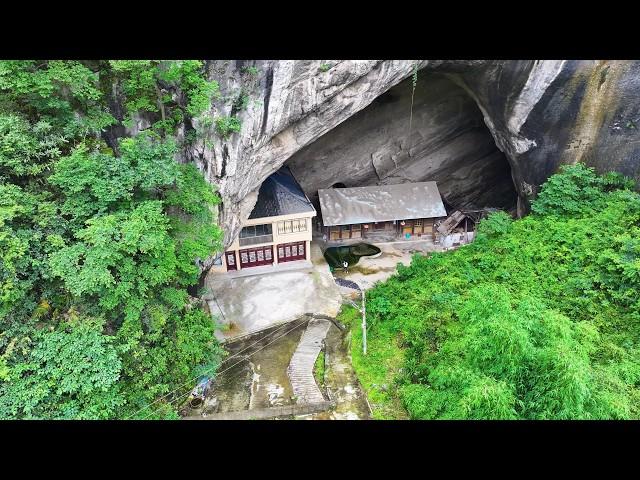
[300, 370]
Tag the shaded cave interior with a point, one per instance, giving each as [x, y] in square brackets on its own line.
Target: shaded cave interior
[446, 140]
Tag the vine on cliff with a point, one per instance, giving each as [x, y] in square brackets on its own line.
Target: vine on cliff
[414, 82]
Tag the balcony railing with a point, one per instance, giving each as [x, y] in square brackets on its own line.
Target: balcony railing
[256, 240]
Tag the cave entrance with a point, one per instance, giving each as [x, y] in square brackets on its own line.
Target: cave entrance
[448, 142]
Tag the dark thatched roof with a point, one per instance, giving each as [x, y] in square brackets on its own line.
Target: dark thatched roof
[280, 194]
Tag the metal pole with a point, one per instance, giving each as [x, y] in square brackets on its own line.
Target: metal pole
[364, 325]
[466, 230]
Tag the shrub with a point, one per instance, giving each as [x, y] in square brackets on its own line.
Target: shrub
[225, 126]
[538, 320]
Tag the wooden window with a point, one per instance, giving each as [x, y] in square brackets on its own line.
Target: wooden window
[255, 257]
[292, 226]
[417, 223]
[247, 232]
[283, 227]
[255, 230]
[379, 225]
[300, 225]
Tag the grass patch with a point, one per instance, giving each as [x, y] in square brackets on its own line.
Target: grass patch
[376, 370]
[318, 369]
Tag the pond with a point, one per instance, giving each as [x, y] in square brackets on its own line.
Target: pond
[335, 256]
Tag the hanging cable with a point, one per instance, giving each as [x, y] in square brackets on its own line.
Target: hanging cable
[414, 81]
[171, 402]
[191, 380]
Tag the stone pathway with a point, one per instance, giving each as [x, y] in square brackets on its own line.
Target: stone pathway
[341, 380]
[300, 368]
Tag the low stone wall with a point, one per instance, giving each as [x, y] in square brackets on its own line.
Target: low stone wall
[270, 412]
[262, 337]
[456, 239]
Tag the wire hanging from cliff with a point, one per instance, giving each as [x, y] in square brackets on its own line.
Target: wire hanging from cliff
[414, 81]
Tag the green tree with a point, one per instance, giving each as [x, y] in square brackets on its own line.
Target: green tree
[93, 225]
[537, 319]
[71, 372]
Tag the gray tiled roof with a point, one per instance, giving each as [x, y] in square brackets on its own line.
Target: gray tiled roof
[380, 203]
[280, 194]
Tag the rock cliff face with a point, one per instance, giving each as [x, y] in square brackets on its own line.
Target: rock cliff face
[490, 132]
[442, 137]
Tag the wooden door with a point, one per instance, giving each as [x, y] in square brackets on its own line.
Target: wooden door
[255, 257]
[289, 252]
[231, 260]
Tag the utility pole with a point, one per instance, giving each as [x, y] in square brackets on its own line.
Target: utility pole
[466, 230]
[364, 325]
[355, 286]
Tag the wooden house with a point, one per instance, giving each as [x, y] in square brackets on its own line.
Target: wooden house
[278, 230]
[381, 212]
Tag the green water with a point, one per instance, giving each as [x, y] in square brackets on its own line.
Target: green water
[335, 256]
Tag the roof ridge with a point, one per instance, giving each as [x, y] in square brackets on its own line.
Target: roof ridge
[379, 186]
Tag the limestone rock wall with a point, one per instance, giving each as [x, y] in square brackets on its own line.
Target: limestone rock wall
[442, 138]
[469, 118]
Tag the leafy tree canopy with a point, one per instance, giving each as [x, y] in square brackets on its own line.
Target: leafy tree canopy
[100, 234]
[71, 372]
[539, 318]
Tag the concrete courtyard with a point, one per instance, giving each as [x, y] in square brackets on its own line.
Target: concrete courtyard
[250, 303]
[253, 299]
